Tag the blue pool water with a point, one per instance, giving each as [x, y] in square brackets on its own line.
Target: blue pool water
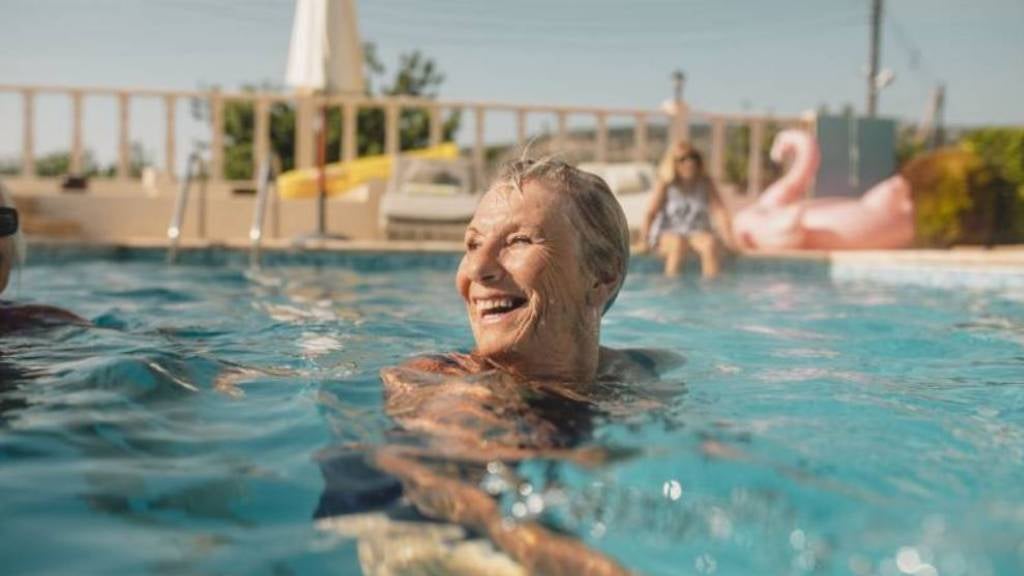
[816, 427]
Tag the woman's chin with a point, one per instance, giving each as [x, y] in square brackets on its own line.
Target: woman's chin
[495, 348]
[499, 344]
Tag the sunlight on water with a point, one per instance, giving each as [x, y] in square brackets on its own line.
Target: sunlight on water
[814, 428]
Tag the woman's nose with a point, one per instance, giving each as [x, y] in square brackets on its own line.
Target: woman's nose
[484, 266]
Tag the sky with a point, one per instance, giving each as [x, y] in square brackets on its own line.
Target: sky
[779, 57]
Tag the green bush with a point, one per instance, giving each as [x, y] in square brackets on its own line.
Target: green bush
[57, 164]
[1003, 151]
[961, 198]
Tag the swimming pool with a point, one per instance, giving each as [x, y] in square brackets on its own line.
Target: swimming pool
[817, 426]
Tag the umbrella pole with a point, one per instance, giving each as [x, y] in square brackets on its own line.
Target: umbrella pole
[320, 234]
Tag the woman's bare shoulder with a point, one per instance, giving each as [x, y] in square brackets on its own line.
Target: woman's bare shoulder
[428, 369]
[21, 316]
[451, 364]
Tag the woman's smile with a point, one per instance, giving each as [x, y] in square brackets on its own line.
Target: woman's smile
[497, 308]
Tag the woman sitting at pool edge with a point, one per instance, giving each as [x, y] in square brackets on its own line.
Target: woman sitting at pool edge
[546, 255]
[680, 213]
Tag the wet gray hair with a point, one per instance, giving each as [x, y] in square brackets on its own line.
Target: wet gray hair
[600, 222]
[19, 240]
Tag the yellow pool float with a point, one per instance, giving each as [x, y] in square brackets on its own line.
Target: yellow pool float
[343, 176]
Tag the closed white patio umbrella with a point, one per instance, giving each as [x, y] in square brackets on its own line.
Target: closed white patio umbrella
[325, 56]
[325, 53]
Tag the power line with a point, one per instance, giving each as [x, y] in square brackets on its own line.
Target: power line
[915, 57]
[451, 21]
[465, 31]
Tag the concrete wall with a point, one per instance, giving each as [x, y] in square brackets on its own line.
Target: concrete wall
[116, 214]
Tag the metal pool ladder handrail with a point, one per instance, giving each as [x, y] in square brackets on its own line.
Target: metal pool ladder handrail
[267, 185]
[195, 168]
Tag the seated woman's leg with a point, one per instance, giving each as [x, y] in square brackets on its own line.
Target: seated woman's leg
[705, 245]
[673, 247]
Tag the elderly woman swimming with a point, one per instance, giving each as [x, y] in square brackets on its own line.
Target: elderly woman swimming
[545, 257]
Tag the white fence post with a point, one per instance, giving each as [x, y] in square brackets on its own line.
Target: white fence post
[755, 168]
[77, 153]
[602, 137]
[170, 136]
[640, 138]
[124, 141]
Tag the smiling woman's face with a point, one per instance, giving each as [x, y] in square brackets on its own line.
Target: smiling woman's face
[527, 292]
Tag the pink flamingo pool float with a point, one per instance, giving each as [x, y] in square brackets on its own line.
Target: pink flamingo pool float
[783, 218]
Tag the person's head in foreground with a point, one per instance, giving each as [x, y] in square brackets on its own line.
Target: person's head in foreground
[11, 247]
[681, 163]
[546, 255]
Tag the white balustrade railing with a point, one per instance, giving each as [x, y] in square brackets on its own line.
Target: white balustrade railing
[306, 106]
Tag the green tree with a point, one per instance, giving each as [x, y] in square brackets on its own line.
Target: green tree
[417, 75]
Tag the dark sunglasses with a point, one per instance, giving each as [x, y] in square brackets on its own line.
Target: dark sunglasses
[8, 221]
[681, 159]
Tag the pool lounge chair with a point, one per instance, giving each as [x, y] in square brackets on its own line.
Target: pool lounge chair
[428, 199]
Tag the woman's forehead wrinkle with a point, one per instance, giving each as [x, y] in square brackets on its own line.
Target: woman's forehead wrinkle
[533, 207]
[493, 214]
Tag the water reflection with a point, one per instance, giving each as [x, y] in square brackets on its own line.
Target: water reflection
[12, 377]
[129, 434]
[454, 457]
[816, 436]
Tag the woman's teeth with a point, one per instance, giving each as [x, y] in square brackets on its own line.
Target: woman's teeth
[497, 305]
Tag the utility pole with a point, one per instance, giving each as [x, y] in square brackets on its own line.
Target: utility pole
[931, 131]
[940, 112]
[873, 57]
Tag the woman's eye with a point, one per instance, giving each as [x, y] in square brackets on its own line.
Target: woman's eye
[472, 244]
[520, 239]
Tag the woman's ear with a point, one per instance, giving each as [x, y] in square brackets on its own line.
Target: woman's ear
[601, 289]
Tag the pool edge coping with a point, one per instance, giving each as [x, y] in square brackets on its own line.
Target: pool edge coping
[973, 257]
